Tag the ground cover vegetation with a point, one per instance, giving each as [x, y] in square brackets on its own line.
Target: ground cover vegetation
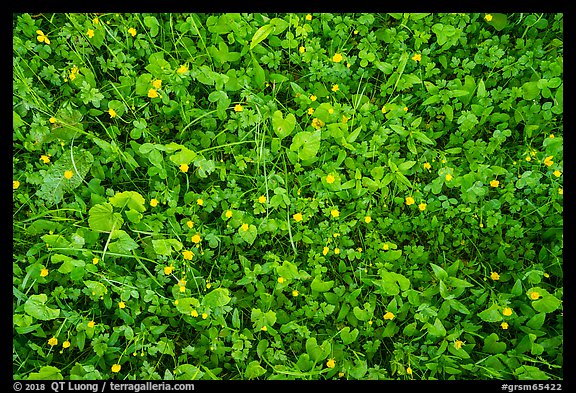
[287, 196]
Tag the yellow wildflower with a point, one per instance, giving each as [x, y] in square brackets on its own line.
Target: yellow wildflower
[66, 344]
[91, 324]
[534, 295]
[367, 219]
[245, 227]
[194, 313]
[410, 201]
[281, 280]
[331, 363]
[308, 17]
[238, 108]
[548, 161]
[112, 112]
[228, 213]
[90, 33]
[297, 217]
[53, 341]
[557, 173]
[488, 17]
[44, 272]
[494, 183]
[417, 57]
[196, 238]
[313, 97]
[42, 37]
[507, 311]
[427, 165]
[153, 202]
[295, 293]
[157, 83]
[335, 87]
[168, 270]
[45, 159]
[187, 254]
[182, 69]
[504, 325]
[132, 31]
[494, 276]
[152, 93]
[200, 201]
[184, 167]
[458, 344]
[68, 174]
[262, 199]
[325, 250]
[337, 58]
[189, 224]
[389, 315]
[449, 177]
[422, 206]
[302, 49]
[334, 213]
[116, 368]
[330, 179]
[121, 305]
[15, 184]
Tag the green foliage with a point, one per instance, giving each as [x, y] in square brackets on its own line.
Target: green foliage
[288, 196]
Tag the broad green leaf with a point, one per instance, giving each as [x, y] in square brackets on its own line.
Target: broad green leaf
[261, 35]
[499, 21]
[166, 246]
[546, 304]
[321, 286]
[217, 298]
[102, 218]
[536, 321]
[439, 272]
[36, 307]
[359, 369]
[152, 24]
[348, 337]
[260, 318]
[283, 126]
[492, 345]
[143, 84]
[391, 283]
[530, 90]
[68, 264]
[187, 372]
[422, 138]
[248, 235]
[317, 352]
[254, 370]
[361, 314]
[391, 255]
[46, 373]
[458, 306]
[259, 75]
[55, 185]
[306, 144]
[130, 199]
[95, 288]
[123, 243]
[492, 314]
[187, 304]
